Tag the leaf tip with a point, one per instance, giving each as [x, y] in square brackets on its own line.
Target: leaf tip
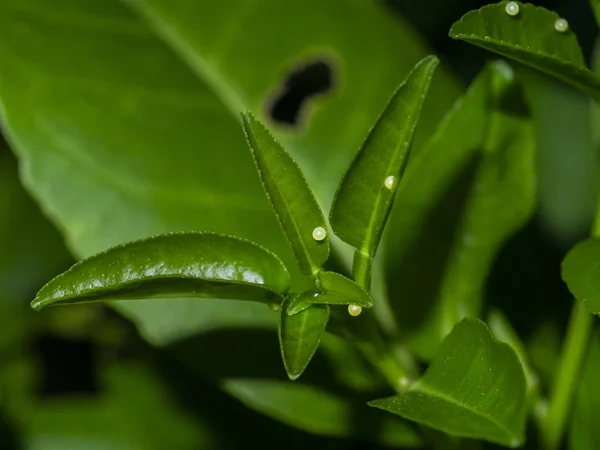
[37, 305]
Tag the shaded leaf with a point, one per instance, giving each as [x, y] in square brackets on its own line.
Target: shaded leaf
[581, 272]
[464, 194]
[529, 38]
[363, 200]
[294, 203]
[300, 336]
[332, 289]
[318, 411]
[474, 388]
[172, 265]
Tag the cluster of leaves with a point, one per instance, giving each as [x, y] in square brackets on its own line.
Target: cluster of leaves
[452, 200]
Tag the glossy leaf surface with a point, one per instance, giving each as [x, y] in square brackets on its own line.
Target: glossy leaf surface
[464, 194]
[529, 38]
[291, 197]
[363, 201]
[332, 289]
[147, 139]
[168, 266]
[581, 272]
[300, 336]
[474, 388]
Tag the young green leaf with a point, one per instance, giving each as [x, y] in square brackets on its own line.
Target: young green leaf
[535, 37]
[332, 289]
[172, 265]
[300, 335]
[293, 201]
[581, 272]
[474, 388]
[365, 195]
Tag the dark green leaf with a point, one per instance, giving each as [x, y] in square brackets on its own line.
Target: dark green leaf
[595, 4]
[172, 265]
[530, 38]
[581, 272]
[319, 411]
[365, 196]
[332, 289]
[464, 194]
[300, 336]
[294, 203]
[474, 388]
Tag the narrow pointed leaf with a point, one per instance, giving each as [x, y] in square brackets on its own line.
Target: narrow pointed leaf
[531, 39]
[332, 289]
[474, 388]
[300, 336]
[169, 266]
[581, 272]
[364, 199]
[595, 4]
[291, 197]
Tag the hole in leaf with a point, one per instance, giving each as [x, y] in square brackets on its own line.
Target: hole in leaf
[67, 366]
[312, 79]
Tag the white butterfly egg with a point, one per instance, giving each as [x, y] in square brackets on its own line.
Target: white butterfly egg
[319, 234]
[561, 25]
[354, 310]
[512, 9]
[389, 182]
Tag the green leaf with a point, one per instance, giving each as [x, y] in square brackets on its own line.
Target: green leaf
[300, 336]
[332, 289]
[294, 203]
[168, 266]
[321, 412]
[474, 388]
[469, 189]
[504, 332]
[595, 4]
[366, 193]
[161, 149]
[581, 272]
[529, 38]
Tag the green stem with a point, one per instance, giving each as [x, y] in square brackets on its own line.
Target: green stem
[563, 388]
[361, 270]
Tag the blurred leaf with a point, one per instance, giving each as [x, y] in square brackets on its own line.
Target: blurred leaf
[581, 272]
[149, 140]
[479, 393]
[292, 199]
[133, 411]
[320, 412]
[332, 289]
[584, 433]
[172, 265]
[595, 4]
[544, 348]
[529, 38]
[366, 193]
[470, 188]
[300, 336]
[566, 157]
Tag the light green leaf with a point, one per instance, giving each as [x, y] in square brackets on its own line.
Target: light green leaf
[321, 412]
[581, 272]
[366, 193]
[149, 141]
[294, 203]
[170, 266]
[474, 388]
[300, 336]
[332, 289]
[529, 38]
[465, 193]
